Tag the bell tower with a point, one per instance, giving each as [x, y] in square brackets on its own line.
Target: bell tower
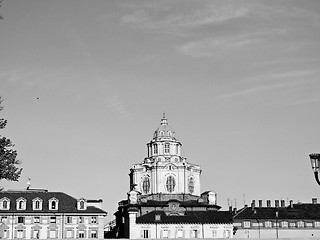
[164, 171]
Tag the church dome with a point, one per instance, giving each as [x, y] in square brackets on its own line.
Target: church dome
[164, 131]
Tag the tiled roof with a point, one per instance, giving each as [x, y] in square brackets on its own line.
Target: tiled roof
[67, 204]
[202, 217]
[297, 211]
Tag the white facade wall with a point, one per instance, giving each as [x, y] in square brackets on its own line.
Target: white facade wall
[282, 233]
[45, 229]
[183, 230]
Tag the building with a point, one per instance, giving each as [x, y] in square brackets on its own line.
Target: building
[40, 214]
[301, 220]
[165, 199]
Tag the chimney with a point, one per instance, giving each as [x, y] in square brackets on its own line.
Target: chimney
[230, 208]
[291, 203]
[268, 203]
[234, 210]
[276, 203]
[260, 203]
[253, 204]
[314, 201]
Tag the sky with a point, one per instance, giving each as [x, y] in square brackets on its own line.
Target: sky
[85, 84]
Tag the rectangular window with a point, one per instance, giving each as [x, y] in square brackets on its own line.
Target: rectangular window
[180, 233]
[52, 234]
[53, 219]
[36, 234]
[19, 233]
[292, 225]
[195, 233]
[36, 219]
[69, 234]
[94, 220]
[165, 233]
[21, 220]
[268, 224]
[145, 233]
[214, 233]
[317, 224]
[300, 224]
[69, 220]
[284, 224]
[81, 219]
[246, 224]
[81, 234]
[167, 148]
[94, 234]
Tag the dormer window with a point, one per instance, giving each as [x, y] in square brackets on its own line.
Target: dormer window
[82, 204]
[4, 204]
[21, 204]
[37, 204]
[53, 204]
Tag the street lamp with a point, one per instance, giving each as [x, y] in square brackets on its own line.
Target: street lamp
[315, 158]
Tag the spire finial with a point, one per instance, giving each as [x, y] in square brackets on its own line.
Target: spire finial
[164, 120]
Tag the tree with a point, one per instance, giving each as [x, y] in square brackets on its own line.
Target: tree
[8, 156]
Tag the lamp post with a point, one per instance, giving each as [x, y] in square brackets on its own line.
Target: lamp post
[315, 158]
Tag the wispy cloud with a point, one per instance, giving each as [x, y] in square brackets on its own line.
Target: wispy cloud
[115, 105]
[210, 46]
[166, 17]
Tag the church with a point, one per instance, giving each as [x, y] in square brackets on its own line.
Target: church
[165, 199]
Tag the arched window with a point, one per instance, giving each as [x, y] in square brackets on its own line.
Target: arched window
[37, 204]
[81, 204]
[170, 183]
[21, 204]
[191, 185]
[146, 185]
[5, 204]
[53, 205]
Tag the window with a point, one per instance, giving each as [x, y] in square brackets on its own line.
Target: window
[3, 219]
[179, 233]
[145, 233]
[292, 225]
[284, 224]
[195, 233]
[93, 219]
[246, 224]
[177, 149]
[81, 219]
[53, 219]
[81, 234]
[94, 234]
[81, 204]
[21, 204]
[214, 233]
[36, 234]
[191, 185]
[21, 220]
[317, 224]
[5, 204]
[268, 224]
[52, 234]
[53, 204]
[300, 224]
[19, 233]
[170, 184]
[167, 148]
[69, 233]
[36, 219]
[155, 149]
[165, 233]
[37, 204]
[69, 219]
[146, 185]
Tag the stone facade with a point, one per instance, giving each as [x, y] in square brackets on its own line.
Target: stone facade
[39, 214]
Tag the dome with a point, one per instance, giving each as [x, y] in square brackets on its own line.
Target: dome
[164, 131]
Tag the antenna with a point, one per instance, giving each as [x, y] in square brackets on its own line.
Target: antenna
[244, 200]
